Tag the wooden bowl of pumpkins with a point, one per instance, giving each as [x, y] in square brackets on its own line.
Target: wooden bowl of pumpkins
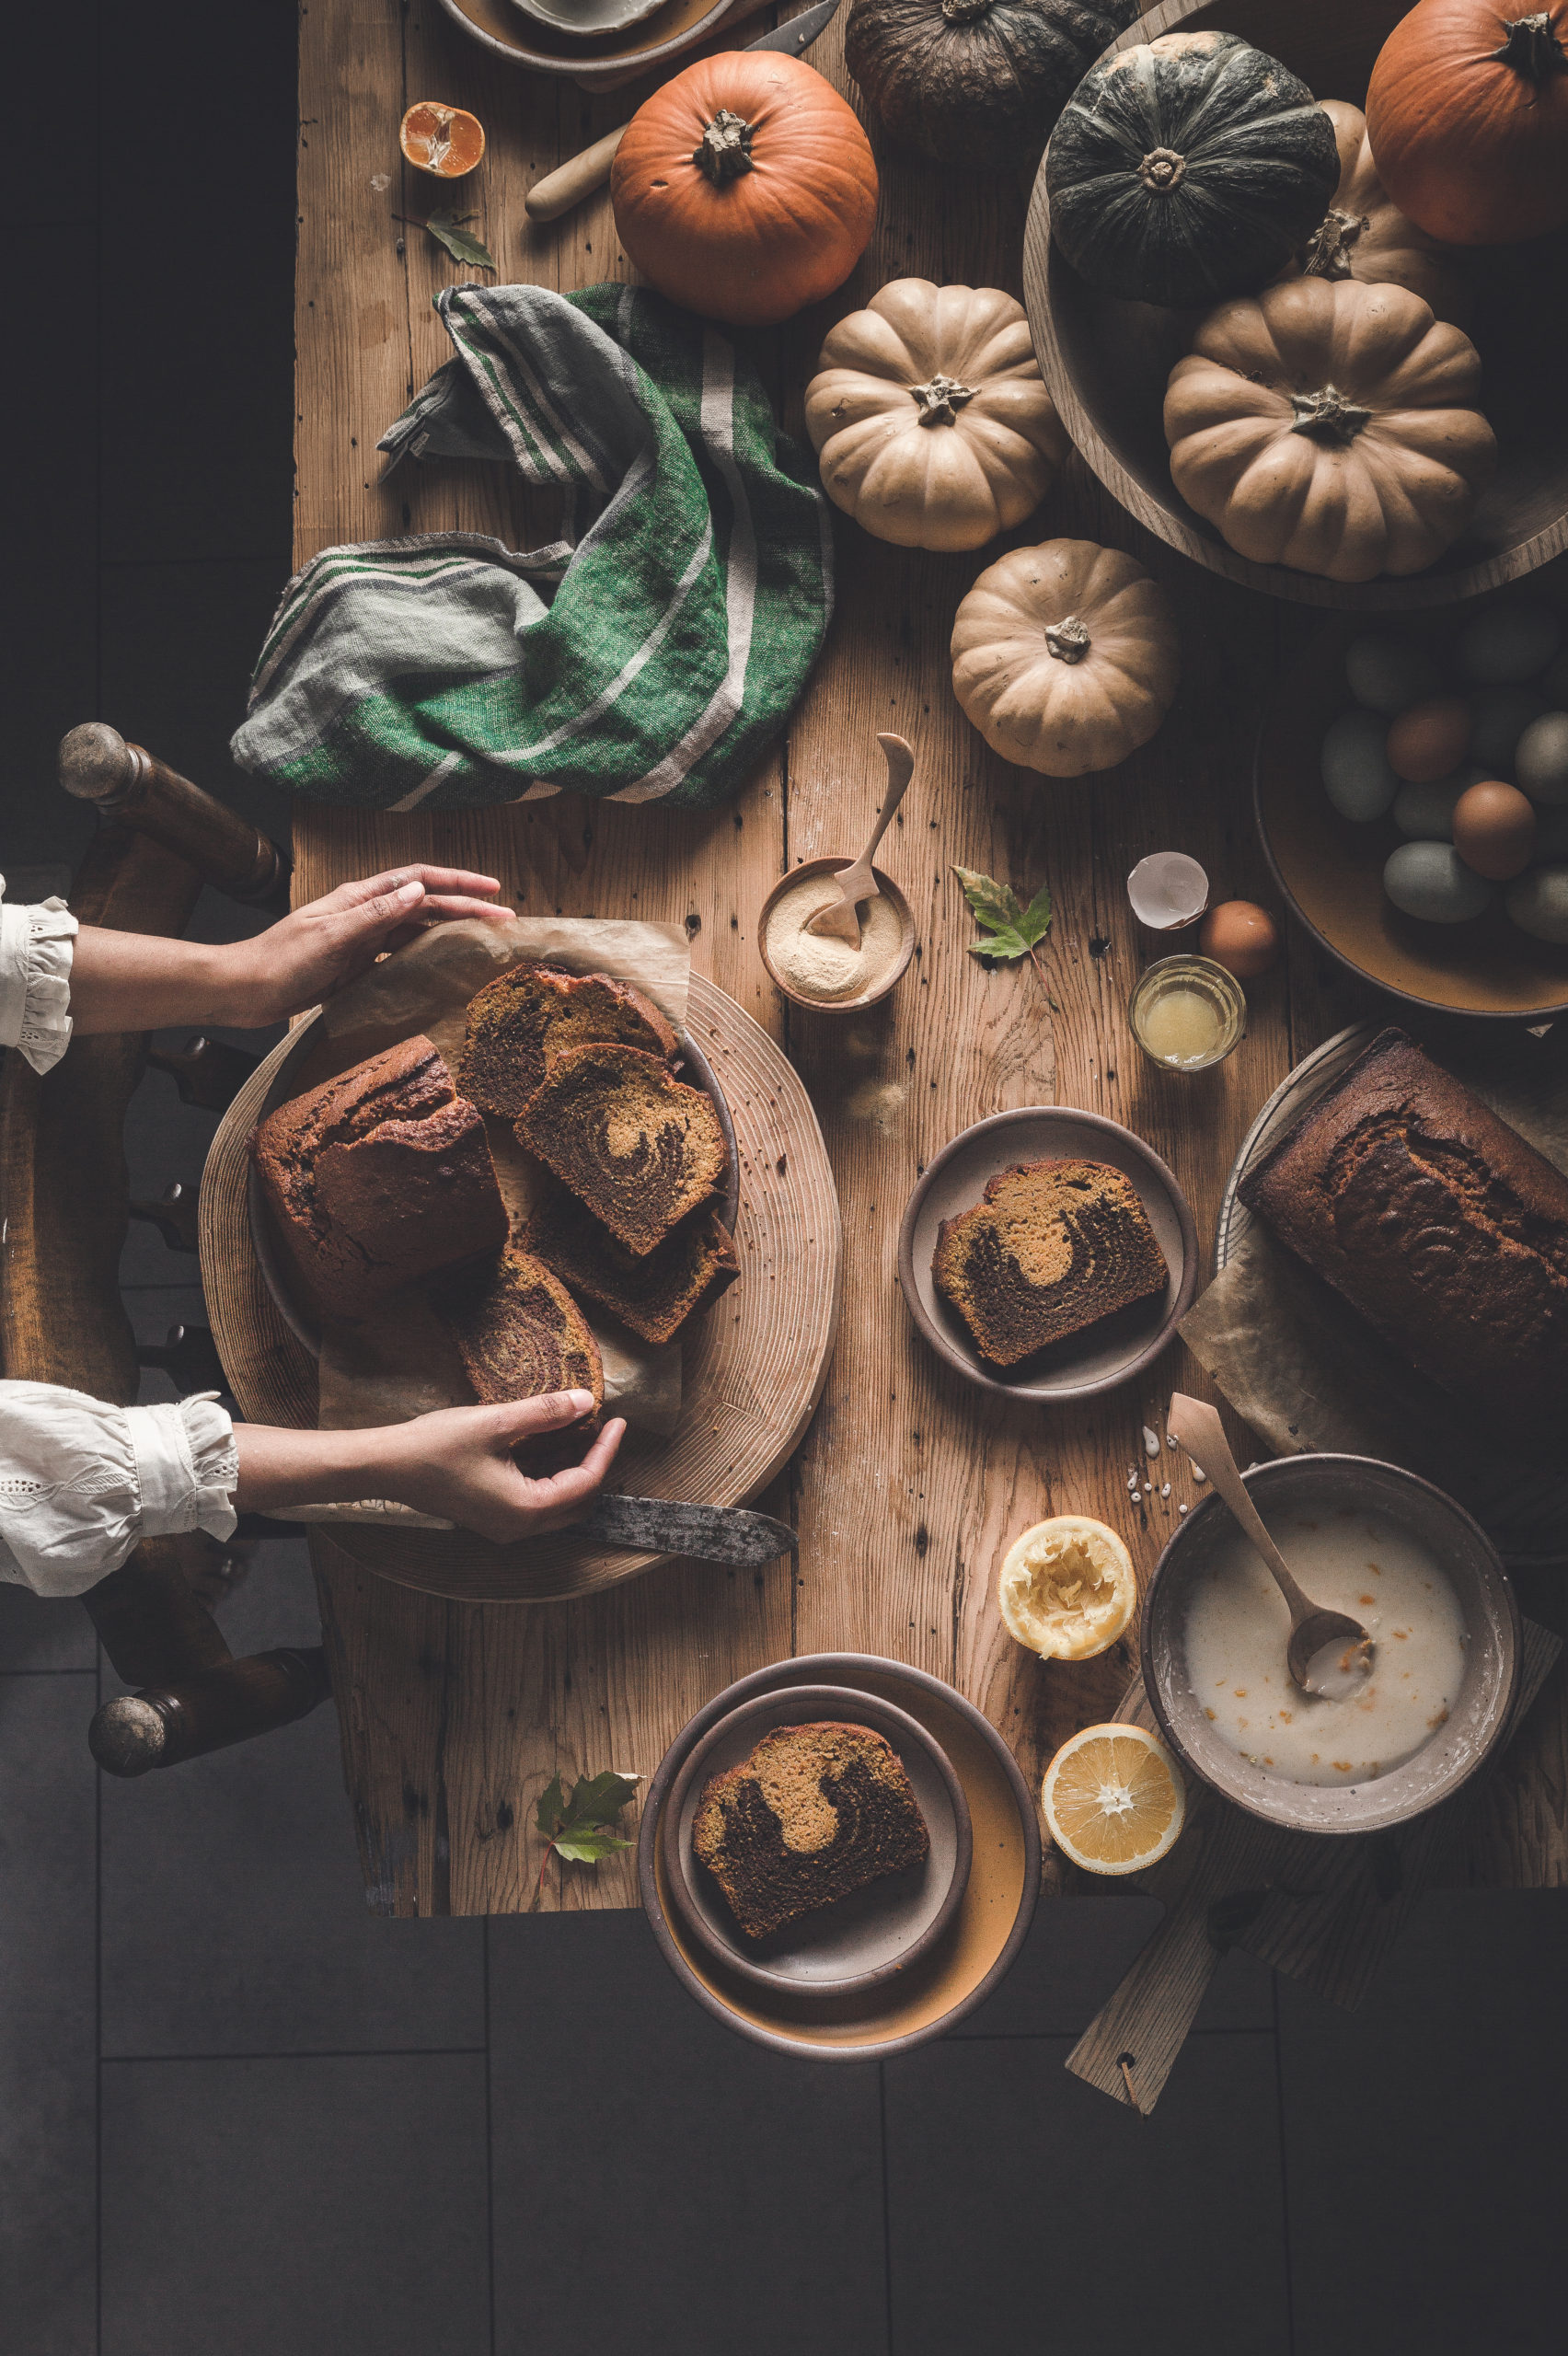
[1298, 278]
[934, 429]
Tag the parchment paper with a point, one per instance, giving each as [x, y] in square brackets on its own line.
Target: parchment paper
[400, 1361]
[1305, 1371]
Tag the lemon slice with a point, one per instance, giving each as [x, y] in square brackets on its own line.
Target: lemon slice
[1113, 1799]
[1067, 1588]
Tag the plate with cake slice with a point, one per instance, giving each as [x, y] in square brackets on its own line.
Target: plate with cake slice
[817, 1841]
[1048, 1254]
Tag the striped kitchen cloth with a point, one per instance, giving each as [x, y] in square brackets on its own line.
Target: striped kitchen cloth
[691, 588]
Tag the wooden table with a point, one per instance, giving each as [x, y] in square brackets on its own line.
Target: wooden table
[909, 1483]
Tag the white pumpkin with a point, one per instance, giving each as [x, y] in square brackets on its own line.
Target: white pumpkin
[1065, 657]
[1365, 236]
[931, 418]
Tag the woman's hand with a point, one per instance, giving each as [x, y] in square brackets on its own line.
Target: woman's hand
[457, 1463]
[312, 952]
[136, 981]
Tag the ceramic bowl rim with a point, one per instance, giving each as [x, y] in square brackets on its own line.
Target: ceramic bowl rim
[821, 1701]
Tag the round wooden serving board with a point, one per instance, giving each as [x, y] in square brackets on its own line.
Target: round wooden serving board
[754, 1365]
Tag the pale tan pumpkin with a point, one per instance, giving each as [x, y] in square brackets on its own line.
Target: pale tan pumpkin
[932, 422]
[1065, 657]
[1365, 236]
[1329, 427]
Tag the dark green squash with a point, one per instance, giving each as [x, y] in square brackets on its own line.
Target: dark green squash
[976, 83]
[1187, 169]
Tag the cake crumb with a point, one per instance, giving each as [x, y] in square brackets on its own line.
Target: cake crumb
[1151, 1442]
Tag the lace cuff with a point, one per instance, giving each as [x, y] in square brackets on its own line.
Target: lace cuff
[36, 950]
[187, 1465]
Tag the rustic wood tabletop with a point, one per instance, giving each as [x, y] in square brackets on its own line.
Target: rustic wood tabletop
[909, 1483]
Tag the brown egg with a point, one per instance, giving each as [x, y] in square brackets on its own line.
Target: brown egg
[1494, 829]
[1430, 740]
[1242, 937]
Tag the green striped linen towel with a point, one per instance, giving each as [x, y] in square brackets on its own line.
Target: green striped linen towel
[691, 588]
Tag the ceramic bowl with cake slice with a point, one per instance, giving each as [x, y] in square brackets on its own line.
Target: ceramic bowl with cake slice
[1048, 1254]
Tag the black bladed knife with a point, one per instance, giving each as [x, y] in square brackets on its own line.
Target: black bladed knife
[712, 1533]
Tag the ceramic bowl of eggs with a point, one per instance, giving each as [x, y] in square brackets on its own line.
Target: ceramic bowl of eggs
[1413, 799]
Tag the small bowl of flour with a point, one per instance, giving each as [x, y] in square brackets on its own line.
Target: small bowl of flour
[814, 969]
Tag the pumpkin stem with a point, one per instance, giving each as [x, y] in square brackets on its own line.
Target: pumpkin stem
[1326, 253]
[1531, 45]
[1068, 639]
[965, 12]
[1328, 416]
[941, 400]
[1162, 169]
[725, 151]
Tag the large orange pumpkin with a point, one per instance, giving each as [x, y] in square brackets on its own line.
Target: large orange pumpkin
[1467, 118]
[746, 188]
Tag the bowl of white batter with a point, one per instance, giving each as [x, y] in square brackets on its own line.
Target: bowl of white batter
[1424, 1581]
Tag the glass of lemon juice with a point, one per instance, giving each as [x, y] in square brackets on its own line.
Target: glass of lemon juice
[1187, 1013]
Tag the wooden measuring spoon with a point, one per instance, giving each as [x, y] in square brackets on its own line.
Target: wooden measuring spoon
[856, 882]
[1198, 1429]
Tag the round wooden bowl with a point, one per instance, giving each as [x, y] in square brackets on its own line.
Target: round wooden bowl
[982, 1941]
[1315, 1486]
[895, 900]
[539, 47]
[1330, 872]
[1106, 361]
[863, 1941]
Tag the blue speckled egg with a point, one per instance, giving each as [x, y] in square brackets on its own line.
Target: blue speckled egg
[1540, 762]
[1499, 716]
[1425, 813]
[1357, 776]
[1510, 641]
[1431, 882]
[1387, 674]
[1538, 902]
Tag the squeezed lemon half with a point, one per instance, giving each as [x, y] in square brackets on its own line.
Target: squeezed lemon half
[1113, 1799]
[1067, 1587]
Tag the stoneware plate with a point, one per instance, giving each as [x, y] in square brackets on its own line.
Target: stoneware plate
[862, 1940]
[1107, 1354]
[960, 1970]
[1330, 872]
[1310, 1487]
[1524, 1513]
[299, 1314]
[604, 53]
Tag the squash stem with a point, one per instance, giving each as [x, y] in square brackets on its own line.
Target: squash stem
[941, 400]
[1328, 416]
[725, 149]
[1531, 45]
[1327, 251]
[1068, 639]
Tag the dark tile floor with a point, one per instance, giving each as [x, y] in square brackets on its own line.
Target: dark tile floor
[238, 2114]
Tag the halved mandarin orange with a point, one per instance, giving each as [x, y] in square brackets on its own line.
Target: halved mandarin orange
[445, 141]
[1113, 1799]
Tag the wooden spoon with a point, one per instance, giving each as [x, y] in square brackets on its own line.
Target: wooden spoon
[1198, 1429]
[856, 882]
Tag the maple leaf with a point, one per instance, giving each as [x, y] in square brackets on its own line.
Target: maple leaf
[1010, 929]
[579, 1827]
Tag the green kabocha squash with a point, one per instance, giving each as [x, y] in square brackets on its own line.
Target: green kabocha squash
[1187, 169]
[976, 83]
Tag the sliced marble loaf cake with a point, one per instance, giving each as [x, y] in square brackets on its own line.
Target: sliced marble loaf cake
[1050, 1247]
[633, 1143]
[520, 1335]
[519, 1023]
[815, 1812]
[654, 1294]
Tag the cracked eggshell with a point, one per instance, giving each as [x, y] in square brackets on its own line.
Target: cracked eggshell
[1168, 890]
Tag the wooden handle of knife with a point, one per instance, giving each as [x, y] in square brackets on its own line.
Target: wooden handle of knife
[560, 189]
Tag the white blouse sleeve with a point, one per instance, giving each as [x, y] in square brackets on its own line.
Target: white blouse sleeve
[37, 945]
[82, 1483]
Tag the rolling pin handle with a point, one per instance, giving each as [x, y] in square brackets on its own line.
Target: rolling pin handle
[560, 191]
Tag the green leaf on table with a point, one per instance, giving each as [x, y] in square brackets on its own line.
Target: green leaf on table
[996, 906]
[579, 1827]
[1008, 942]
[551, 1807]
[587, 1848]
[447, 228]
[1035, 921]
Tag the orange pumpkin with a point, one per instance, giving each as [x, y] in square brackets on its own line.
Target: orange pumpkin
[746, 188]
[1468, 117]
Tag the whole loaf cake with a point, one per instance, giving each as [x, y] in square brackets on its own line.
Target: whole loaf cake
[1441, 1227]
[379, 1176]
